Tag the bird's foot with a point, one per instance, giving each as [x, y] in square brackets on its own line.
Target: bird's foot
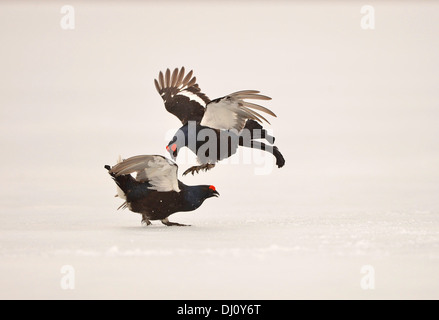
[197, 169]
[146, 221]
[280, 161]
[192, 169]
[169, 223]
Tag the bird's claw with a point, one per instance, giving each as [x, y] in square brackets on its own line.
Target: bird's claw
[169, 223]
[196, 169]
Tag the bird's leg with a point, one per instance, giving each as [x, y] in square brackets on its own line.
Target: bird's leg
[257, 131]
[280, 161]
[169, 223]
[145, 220]
[205, 167]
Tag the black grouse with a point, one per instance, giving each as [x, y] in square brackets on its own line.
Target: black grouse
[155, 192]
[213, 129]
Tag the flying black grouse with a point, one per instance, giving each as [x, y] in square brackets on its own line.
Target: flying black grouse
[155, 192]
[213, 129]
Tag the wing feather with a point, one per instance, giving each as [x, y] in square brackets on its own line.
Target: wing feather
[249, 94]
[180, 78]
[187, 78]
[255, 116]
[258, 107]
[157, 85]
[182, 95]
[161, 80]
[174, 77]
[232, 111]
[192, 82]
[167, 78]
[158, 171]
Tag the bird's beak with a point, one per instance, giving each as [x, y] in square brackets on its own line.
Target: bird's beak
[172, 153]
[216, 193]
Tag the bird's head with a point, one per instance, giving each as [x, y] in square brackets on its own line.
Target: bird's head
[172, 148]
[178, 141]
[195, 195]
[211, 192]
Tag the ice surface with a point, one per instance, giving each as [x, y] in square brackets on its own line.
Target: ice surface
[357, 124]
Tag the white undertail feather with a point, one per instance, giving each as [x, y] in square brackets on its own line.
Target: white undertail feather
[120, 193]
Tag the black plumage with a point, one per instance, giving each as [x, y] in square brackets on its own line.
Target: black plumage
[155, 192]
[226, 123]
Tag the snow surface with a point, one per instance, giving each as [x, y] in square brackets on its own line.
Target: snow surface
[357, 123]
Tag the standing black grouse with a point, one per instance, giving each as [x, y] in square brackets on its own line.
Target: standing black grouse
[155, 192]
[213, 129]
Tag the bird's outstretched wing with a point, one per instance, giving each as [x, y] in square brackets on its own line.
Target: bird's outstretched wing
[181, 94]
[232, 111]
[158, 171]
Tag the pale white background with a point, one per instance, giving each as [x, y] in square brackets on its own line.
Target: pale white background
[358, 124]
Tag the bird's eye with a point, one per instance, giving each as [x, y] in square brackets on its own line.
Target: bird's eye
[174, 147]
